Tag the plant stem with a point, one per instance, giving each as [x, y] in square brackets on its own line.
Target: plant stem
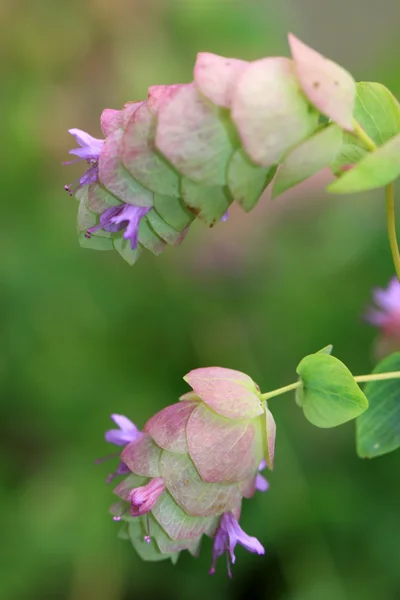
[358, 378]
[363, 136]
[377, 376]
[391, 225]
[281, 390]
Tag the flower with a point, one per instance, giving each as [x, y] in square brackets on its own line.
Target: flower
[89, 151]
[229, 533]
[143, 498]
[387, 314]
[262, 484]
[124, 216]
[127, 432]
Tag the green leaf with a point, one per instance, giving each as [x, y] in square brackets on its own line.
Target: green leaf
[308, 158]
[330, 394]
[378, 113]
[375, 170]
[378, 429]
[298, 393]
[247, 181]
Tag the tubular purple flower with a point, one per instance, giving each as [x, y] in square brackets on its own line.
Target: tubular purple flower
[89, 151]
[229, 533]
[387, 314]
[124, 216]
[143, 498]
[127, 432]
[262, 484]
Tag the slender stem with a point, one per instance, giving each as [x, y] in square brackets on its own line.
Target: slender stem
[391, 225]
[358, 378]
[281, 390]
[377, 376]
[363, 136]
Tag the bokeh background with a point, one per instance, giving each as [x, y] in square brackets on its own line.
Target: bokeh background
[84, 335]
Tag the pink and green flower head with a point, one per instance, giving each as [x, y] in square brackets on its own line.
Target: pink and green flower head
[89, 151]
[228, 535]
[386, 314]
[124, 216]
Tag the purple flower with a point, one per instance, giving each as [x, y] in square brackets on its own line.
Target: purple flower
[225, 217]
[143, 498]
[89, 151]
[262, 484]
[386, 315]
[229, 533]
[127, 432]
[124, 216]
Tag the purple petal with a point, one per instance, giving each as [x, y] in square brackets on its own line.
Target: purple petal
[262, 484]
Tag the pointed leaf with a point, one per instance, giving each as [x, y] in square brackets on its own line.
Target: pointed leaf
[229, 393]
[330, 394]
[330, 88]
[139, 156]
[165, 543]
[194, 136]
[270, 111]
[247, 181]
[221, 450]
[308, 158]
[168, 427]
[115, 177]
[215, 76]
[100, 199]
[376, 169]
[142, 456]
[209, 203]
[194, 496]
[378, 429]
[177, 524]
[173, 211]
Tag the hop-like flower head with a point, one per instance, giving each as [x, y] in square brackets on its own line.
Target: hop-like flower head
[190, 150]
[193, 464]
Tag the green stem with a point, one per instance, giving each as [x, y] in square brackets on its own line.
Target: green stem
[391, 225]
[358, 378]
[281, 390]
[377, 376]
[389, 192]
[363, 136]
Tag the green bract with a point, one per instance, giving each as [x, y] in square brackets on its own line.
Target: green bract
[378, 429]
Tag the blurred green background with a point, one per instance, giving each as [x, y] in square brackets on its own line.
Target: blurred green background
[84, 335]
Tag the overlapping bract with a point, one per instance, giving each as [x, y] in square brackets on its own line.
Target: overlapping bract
[202, 456]
[190, 150]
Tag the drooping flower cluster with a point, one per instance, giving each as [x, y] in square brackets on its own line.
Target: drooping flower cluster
[190, 150]
[192, 465]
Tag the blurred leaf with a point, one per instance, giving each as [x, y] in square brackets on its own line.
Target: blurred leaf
[378, 429]
[375, 170]
[378, 113]
[330, 394]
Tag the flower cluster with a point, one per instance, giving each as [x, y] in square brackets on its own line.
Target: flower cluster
[192, 465]
[190, 150]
